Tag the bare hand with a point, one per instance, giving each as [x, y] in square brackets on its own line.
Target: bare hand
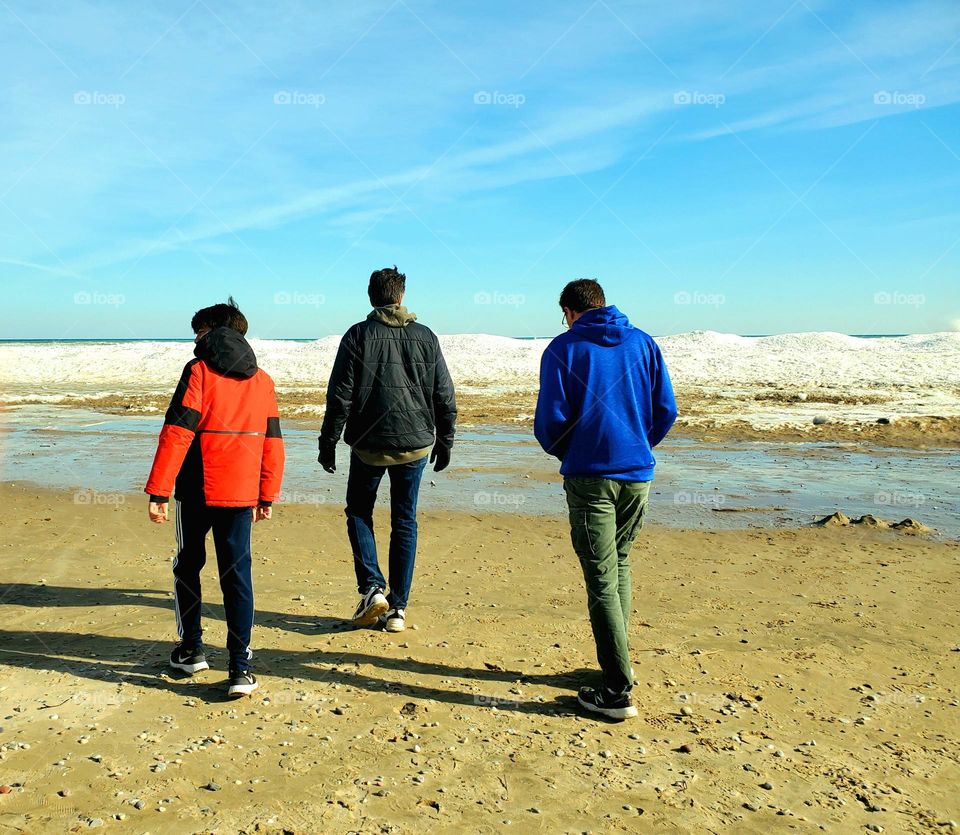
[158, 512]
[262, 513]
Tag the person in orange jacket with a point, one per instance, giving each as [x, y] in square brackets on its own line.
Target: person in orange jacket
[221, 451]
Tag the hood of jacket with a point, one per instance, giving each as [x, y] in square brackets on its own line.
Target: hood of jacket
[394, 315]
[228, 353]
[605, 326]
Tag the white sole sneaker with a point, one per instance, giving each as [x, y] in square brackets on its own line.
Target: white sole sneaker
[190, 668]
[610, 712]
[244, 688]
[394, 625]
[371, 614]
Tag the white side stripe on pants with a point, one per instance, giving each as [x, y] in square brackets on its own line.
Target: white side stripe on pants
[176, 601]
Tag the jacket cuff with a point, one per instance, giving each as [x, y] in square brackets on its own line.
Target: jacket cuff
[264, 504]
[159, 499]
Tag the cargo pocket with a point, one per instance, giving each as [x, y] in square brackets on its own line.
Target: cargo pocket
[580, 533]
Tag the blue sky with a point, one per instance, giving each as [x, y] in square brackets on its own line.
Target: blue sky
[753, 166]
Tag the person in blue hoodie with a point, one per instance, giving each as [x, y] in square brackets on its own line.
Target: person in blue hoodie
[605, 402]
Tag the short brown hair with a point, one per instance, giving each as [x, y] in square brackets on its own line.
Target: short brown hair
[583, 294]
[387, 286]
[219, 316]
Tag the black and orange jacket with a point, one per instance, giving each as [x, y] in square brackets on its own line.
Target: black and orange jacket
[221, 439]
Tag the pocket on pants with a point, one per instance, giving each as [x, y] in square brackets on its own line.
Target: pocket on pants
[580, 534]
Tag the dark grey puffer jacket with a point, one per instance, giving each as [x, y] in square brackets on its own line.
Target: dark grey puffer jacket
[390, 386]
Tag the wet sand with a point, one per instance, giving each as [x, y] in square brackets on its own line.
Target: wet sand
[776, 419]
[799, 680]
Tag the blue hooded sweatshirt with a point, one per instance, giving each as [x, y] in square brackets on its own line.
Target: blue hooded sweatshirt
[605, 398]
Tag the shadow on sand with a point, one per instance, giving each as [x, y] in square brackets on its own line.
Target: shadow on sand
[140, 662]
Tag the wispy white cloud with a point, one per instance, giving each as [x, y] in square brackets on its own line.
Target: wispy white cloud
[179, 164]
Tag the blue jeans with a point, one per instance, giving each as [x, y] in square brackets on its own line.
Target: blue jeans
[231, 538]
[362, 486]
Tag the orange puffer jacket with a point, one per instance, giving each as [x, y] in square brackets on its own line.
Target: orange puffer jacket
[220, 443]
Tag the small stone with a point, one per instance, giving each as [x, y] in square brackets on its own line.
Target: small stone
[535, 810]
[139, 804]
[767, 786]
[686, 711]
[874, 827]
[212, 787]
[95, 823]
[751, 807]
[5, 790]
[64, 792]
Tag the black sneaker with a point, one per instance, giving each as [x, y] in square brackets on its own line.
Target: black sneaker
[604, 702]
[372, 605]
[188, 660]
[242, 683]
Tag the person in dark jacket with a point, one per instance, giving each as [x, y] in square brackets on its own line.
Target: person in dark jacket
[605, 402]
[391, 396]
[221, 445]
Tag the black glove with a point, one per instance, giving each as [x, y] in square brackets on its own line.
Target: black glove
[328, 457]
[440, 454]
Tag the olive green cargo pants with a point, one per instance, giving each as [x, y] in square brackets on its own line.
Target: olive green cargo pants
[605, 517]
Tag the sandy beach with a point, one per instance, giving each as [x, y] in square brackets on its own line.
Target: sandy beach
[788, 680]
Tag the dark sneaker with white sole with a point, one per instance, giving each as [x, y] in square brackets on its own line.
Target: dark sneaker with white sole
[188, 660]
[606, 703]
[372, 605]
[394, 620]
[242, 683]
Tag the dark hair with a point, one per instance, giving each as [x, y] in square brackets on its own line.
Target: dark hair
[582, 294]
[387, 286]
[219, 316]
